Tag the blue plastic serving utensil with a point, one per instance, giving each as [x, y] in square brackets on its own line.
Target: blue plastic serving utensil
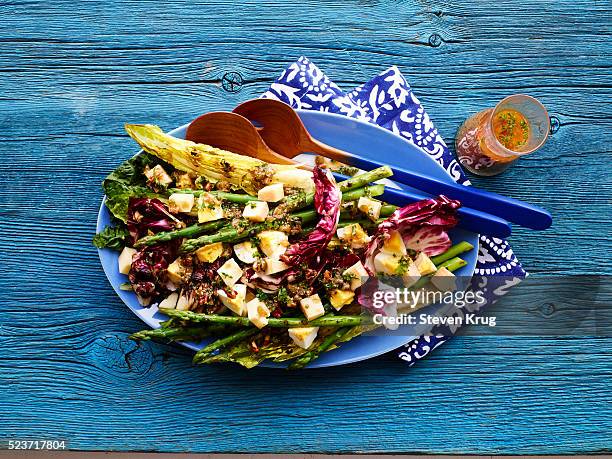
[283, 131]
[469, 219]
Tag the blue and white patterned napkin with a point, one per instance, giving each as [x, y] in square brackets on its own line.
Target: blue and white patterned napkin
[388, 101]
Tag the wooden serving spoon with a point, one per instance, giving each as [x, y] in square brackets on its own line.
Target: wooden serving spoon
[283, 131]
[232, 132]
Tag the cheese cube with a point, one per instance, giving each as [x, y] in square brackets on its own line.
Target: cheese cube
[295, 178]
[143, 301]
[274, 266]
[444, 280]
[395, 244]
[177, 272]
[158, 175]
[258, 312]
[273, 243]
[256, 211]
[303, 336]
[357, 273]
[370, 207]
[386, 263]
[271, 193]
[209, 208]
[411, 276]
[125, 260]
[210, 252]
[169, 302]
[230, 272]
[237, 304]
[339, 298]
[184, 303]
[312, 307]
[181, 202]
[424, 264]
[245, 252]
[354, 235]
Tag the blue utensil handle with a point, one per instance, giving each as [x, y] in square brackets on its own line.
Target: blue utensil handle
[469, 219]
[510, 209]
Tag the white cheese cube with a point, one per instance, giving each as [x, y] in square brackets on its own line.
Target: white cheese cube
[272, 193]
[125, 260]
[274, 266]
[312, 307]
[143, 301]
[273, 243]
[295, 178]
[370, 207]
[230, 272]
[354, 235]
[246, 252]
[358, 275]
[303, 336]
[395, 244]
[158, 175]
[169, 302]
[258, 312]
[387, 263]
[210, 252]
[178, 273]
[424, 264]
[237, 304]
[209, 208]
[444, 280]
[411, 276]
[184, 302]
[181, 202]
[256, 211]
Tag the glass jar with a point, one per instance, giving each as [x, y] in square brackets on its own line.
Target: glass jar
[490, 141]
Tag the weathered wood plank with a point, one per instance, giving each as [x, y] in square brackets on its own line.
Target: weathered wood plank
[72, 75]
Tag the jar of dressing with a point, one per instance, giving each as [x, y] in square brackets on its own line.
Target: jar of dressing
[490, 141]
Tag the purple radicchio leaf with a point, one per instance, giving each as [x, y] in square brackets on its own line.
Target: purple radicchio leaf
[431, 240]
[327, 201]
[149, 266]
[145, 214]
[436, 215]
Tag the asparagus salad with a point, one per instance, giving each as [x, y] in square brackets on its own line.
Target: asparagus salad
[263, 261]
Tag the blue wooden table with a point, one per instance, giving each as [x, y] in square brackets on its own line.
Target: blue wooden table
[74, 72]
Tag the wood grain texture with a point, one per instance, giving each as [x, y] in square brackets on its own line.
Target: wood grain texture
[73, 73]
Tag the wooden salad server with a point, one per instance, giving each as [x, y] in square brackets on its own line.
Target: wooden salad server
[283, 131]
[232, 132]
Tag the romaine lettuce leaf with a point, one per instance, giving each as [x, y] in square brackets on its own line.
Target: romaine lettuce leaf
[112, 237]
[128, 180]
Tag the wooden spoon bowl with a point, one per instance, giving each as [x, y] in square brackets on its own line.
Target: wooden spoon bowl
[283, 130]
[232, 132]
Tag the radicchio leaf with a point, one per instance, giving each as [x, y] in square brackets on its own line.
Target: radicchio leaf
[432, 240]
[148, 272]
[327, 201]
[436, 214]
[145, 214]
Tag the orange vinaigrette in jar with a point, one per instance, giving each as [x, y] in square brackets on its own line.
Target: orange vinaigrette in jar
[490, 141]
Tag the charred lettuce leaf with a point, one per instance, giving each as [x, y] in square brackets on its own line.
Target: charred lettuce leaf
[127, 181]
[112, 237]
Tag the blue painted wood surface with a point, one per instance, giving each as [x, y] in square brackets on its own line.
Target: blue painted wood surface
[74, 72]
